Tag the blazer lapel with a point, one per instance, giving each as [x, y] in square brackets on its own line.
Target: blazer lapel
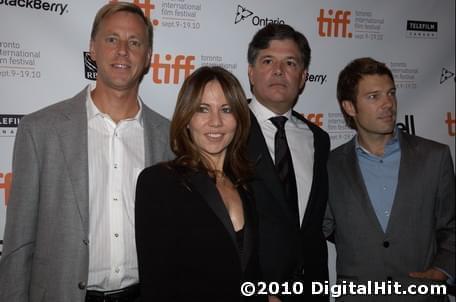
[357, 185]
[72, 132]
[315, 174]
[249, 238]
[407, 171]
[206, 187]
[263, 165]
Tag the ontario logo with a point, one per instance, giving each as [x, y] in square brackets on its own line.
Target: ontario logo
[147, 6]
[445, 75]
[243, 13]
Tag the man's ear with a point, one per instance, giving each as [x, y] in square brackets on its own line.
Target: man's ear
[147, 63]
[250, 74]
[303, 79]
[92, 51]
[349, 108]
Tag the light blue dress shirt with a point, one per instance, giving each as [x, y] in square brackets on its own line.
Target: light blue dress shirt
[380, 175]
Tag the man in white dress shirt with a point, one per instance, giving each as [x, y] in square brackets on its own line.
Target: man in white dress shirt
[70, 221]
[289, 154]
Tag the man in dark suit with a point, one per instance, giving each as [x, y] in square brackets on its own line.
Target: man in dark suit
[69, 232]
[391, 206]
[289, 154]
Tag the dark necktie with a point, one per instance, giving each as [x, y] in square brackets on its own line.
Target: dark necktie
[284, 165]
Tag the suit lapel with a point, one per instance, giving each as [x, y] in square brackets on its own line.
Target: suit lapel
[407, 171]
[72, 132]
[263, 165]
[249, 238]
[206, 187]
[318, 151]
[356, 181]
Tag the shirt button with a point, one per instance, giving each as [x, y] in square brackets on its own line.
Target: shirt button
[116, 235]
[386, 244]
[117, 270]
[82, 285]
[115, 166]
[85, 241]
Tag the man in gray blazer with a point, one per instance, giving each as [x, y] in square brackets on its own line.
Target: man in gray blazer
[391, 207]
[69, 229]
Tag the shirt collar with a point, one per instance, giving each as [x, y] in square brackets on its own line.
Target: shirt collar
[262, 113]
[93, 111]
[391, 146]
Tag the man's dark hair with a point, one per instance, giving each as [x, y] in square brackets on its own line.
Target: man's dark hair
[278, 32]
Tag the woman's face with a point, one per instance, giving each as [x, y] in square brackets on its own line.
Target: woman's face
[213, 125]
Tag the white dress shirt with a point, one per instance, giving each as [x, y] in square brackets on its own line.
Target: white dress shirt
[301, 143]
[116, 157]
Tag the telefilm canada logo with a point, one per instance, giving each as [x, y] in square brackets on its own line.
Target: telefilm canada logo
[422, 29]
[243, 13]
[53, 7]
[9, 123]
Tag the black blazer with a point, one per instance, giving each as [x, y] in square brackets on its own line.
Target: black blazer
[187, 250]
[288, 251]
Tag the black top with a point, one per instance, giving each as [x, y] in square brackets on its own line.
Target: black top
[240, 239]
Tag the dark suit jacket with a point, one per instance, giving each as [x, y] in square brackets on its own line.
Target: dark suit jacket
[288, 251]
[187, 249]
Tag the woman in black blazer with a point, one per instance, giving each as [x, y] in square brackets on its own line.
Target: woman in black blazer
[196, 233]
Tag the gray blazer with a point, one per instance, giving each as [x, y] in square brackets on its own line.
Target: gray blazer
[45, 253]
[421, 229]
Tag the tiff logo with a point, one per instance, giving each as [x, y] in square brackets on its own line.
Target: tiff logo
[408, 126]
[335, 24]
[451, 123]
[6, 185]
[316, 118]
[169, 70]
[146, 5]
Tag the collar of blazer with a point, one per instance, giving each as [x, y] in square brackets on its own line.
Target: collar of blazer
[205, 186]
[71, 129]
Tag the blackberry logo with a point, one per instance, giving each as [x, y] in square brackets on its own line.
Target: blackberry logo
[53, 7]
[90, 67]
[445, 75]
[242, 14]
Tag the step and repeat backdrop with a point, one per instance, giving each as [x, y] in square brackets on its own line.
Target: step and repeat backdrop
[44, 59]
